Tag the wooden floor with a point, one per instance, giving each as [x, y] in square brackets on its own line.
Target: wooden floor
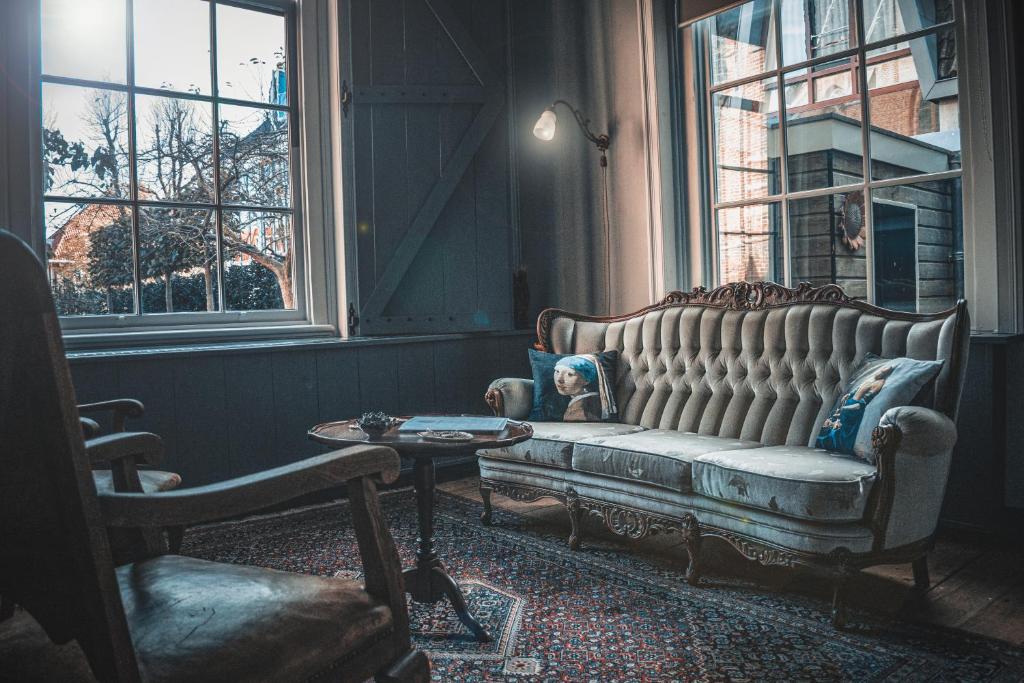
[976, 587]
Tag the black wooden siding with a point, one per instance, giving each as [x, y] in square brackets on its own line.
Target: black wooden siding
[225, 413]
[430, 136]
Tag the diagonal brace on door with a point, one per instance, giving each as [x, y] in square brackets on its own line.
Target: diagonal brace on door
[430, 211]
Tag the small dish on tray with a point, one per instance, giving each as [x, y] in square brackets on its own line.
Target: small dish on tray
[445, 436]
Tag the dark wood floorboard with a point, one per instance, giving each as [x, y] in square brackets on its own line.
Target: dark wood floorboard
[977, 587]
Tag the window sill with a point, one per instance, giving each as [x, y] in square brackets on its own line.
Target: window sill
[145, 339]
[119, 349]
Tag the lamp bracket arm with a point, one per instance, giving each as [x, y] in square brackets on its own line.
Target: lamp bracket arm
[600, 140]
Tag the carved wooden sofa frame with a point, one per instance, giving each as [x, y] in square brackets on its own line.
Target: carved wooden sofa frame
[634, 523]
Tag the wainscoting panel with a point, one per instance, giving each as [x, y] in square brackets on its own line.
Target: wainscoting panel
[228, 412]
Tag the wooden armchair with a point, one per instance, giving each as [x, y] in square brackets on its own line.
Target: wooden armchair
[121, 409]
[115, 469]
[168, 617]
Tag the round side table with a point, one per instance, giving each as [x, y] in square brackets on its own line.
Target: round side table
[428, 581]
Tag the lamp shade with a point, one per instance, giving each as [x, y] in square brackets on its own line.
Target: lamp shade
[545, 127]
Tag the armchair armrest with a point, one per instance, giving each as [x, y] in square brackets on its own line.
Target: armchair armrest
[90, 427]
[249, 493]
[510, 397]
[144, 447]
[914, 449]
[122, 408]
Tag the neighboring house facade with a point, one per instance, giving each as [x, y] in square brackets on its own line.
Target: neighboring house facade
[913, 96]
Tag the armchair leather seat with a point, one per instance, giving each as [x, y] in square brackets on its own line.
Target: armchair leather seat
[193, 620]
[552, 442]
[795, 481]
[660, 457]
[153, 481]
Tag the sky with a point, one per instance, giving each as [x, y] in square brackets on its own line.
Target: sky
[86, 39]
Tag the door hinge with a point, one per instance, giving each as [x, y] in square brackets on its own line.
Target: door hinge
[346, 98]
[353, 320]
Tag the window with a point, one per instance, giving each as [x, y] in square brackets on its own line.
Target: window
[833, 144]
[169, 157]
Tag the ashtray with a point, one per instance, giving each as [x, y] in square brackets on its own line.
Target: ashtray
[449, 436]
[375, 424]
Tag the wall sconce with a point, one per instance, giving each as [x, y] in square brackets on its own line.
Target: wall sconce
[544, 130]
[546, 125]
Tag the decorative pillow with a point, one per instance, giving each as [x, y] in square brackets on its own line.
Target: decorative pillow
[878, 385]
[574, 388]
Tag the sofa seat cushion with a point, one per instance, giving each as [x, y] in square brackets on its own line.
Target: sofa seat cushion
[796, 481]
[552, 442]
[660, 457]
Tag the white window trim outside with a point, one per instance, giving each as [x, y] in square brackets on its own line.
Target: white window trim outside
[991, 183]
[317, 312]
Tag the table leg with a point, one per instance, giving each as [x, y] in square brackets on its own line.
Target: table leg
[428, 581]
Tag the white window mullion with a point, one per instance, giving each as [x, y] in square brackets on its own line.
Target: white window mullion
[865, 126]
[780, 79]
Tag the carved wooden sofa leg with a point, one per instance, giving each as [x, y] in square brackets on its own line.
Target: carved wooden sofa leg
[412, 668]
[691, 528]
[485, 494]
[842, 573]
[572, 506]
[921, 579]
[175, 536]
[839, 601]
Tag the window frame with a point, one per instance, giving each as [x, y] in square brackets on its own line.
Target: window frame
[308, 60]
[859, 61]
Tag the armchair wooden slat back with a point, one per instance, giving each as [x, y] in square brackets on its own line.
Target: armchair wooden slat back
[55, 558]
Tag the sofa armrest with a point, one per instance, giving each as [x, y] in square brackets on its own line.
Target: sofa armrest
[510, 397]
[914, 449]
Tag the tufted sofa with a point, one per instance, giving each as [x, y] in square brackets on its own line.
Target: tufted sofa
[721, 396]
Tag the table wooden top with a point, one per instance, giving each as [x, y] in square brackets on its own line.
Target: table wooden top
[347, 433]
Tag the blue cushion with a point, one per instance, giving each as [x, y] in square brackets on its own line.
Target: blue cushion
[574, 387]
[878, 385]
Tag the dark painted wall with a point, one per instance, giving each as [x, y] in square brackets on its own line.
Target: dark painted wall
[228, 412]
[986, 462]
[587, 52]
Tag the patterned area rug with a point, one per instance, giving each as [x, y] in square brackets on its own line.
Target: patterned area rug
[604, 614]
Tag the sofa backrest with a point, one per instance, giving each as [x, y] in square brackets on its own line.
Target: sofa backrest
[756, 361]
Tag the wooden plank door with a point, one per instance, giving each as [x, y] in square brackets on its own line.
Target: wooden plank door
[429, 191]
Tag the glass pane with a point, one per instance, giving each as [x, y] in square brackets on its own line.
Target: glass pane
[889, 18]
[258, 260]
[823, 137]
[748, 247]
[742, 41]
[251, 55]
[84, 39]
[746, 121]
[172, 45]
[918, 245]
[174, 143]
[254, 156]
[89, 258]
[914, 111]
[85, 142]
[814, 28]
[178, 260]
[828, 242]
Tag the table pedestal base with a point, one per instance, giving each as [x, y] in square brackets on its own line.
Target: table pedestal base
[429, 582]
[432, 584]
